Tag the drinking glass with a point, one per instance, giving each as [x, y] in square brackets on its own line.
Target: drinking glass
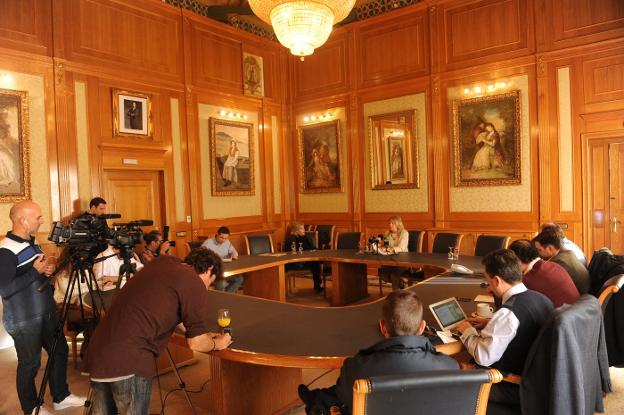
[455, 254]
[223, 318]
[301, 247]
[293, 248]
[450, 255]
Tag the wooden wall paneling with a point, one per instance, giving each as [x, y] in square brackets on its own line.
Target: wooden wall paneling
[272, 70]
[326, 72]
[26, 26]
[270, 175]
[142, 37]
[546, 94]
[439, 147]
[393, 47]
[95, 137]
[474, 32]
[603, 79]
[568, 23]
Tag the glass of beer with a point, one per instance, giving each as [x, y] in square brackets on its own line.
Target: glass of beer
[223, 318]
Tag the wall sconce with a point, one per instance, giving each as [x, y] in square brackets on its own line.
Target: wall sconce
[232, 114]
[7, 80]
[488, 88]
[320, 117]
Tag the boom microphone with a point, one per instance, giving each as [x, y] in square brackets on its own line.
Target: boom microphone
[109, 216]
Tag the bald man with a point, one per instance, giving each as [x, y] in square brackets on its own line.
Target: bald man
[29, 316]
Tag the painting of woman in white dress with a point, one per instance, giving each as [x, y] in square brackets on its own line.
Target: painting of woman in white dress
[231, 145]
[14, 146]
[486, 140]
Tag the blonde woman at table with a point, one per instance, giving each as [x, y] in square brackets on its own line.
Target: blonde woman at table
[395, 242]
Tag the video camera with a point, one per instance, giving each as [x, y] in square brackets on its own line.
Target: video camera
[165, 236]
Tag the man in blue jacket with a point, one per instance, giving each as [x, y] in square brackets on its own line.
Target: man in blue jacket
[403, 350]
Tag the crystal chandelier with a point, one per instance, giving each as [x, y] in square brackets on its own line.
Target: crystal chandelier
[302, 25]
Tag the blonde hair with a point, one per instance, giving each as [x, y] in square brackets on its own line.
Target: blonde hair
[294, 226]
[396, 219]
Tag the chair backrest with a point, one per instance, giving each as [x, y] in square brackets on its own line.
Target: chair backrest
[348, 240]
[313, 237]
[456, 392]
[326, 236]
[259, 244]
[490, 243]
[443, 240]
[194, 244]
[610, 287]
[309, 227]
[415, 242]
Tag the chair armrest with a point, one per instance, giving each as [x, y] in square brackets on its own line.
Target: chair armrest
[512, 378]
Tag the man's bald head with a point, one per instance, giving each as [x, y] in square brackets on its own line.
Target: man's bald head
[19, 209]
[26, 218]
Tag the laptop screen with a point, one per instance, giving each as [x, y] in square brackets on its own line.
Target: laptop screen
[448, 313]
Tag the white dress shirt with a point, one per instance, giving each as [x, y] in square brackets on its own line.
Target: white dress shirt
[489, 346]
[110, 267]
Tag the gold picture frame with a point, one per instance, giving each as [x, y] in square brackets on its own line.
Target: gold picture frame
[231, 158]
[132, 114]
[320, 156]
[14, 146]
[486, 140]
[393, 145]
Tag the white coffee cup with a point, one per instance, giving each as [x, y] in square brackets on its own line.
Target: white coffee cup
[484, 310]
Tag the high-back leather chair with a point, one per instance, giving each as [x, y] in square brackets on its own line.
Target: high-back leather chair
[457, 392]
[415, 242]
[326, 236]
[313, 238]
[292, 275]
[443, 240]
[490, 243]
[348, 240]
[259, 244]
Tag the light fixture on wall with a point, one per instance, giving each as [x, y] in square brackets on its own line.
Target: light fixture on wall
[489, 88]
[318, 117]
[232, 114]
[7, 80]
[301, 25]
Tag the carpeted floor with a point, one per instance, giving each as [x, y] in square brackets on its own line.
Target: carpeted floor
[197, 376]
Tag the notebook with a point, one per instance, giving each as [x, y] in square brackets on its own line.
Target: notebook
[448, 313]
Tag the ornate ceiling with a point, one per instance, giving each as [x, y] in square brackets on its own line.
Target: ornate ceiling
[237, 13]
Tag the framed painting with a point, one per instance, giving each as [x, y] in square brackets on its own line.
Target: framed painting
[14, 146]
[393, 150]
[253, 75]
[132, 114]
[319, 158]
[231, 158]
[486, 140]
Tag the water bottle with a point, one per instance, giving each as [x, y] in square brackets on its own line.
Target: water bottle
[293, 248]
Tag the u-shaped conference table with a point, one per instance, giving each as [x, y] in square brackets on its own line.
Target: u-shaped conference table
[274, 340]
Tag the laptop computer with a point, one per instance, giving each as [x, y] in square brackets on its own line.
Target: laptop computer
[448, 313]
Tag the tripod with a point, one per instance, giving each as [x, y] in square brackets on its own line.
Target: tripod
[81, 267]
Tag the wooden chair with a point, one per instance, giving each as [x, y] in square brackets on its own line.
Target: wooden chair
[443, 240]
[326, 236]
[490, 243]
[308, 227]
[292, 274]
[610, 287]
[457, 392]
[259, 244]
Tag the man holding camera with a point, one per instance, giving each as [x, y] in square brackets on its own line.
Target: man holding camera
[97, 206]
[154, 247]
[139, 324]
[29, 315]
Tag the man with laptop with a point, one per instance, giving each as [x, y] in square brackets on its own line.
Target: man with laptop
[506, 338]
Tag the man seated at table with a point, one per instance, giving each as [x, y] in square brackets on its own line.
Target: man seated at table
[403, 350]
[154, 246]
[299, 238]
[220, 244]
[505, 340]
[106, 273]
[545, 277]
[565, 242]
[550, 247]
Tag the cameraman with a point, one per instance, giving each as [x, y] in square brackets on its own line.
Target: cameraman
[154, 246]
[139, 324]
[30, 316]
[106, 273]
[97, 206]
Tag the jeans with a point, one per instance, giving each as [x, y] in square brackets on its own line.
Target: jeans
[230, 284]
[29, 336]
[125, 397]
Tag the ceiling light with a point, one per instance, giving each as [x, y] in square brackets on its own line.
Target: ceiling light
[300, 25]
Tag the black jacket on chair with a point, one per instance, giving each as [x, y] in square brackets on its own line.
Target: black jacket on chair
[393, 356]
[566, 370]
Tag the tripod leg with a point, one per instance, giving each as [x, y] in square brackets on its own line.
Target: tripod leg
[180, 381]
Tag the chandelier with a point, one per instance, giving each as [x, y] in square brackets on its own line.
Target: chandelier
[302, 25]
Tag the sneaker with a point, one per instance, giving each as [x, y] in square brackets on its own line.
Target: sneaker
[70, 401]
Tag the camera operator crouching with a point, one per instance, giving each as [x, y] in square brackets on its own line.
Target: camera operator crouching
[155, 245]
[29, 310]
[139, 324]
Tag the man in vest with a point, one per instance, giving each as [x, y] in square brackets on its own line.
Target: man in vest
[505, 340]
[30, 315]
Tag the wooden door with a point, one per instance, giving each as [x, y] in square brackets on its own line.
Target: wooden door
[135, 194]
[606, 195]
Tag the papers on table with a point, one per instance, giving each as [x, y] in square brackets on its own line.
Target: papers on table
[274, 254]
[482, 298]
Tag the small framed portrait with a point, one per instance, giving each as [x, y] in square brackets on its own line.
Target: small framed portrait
[231, 158]
[253, 75]
[319, 158]
[486, 140]
[14, 146]
[132, 114]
